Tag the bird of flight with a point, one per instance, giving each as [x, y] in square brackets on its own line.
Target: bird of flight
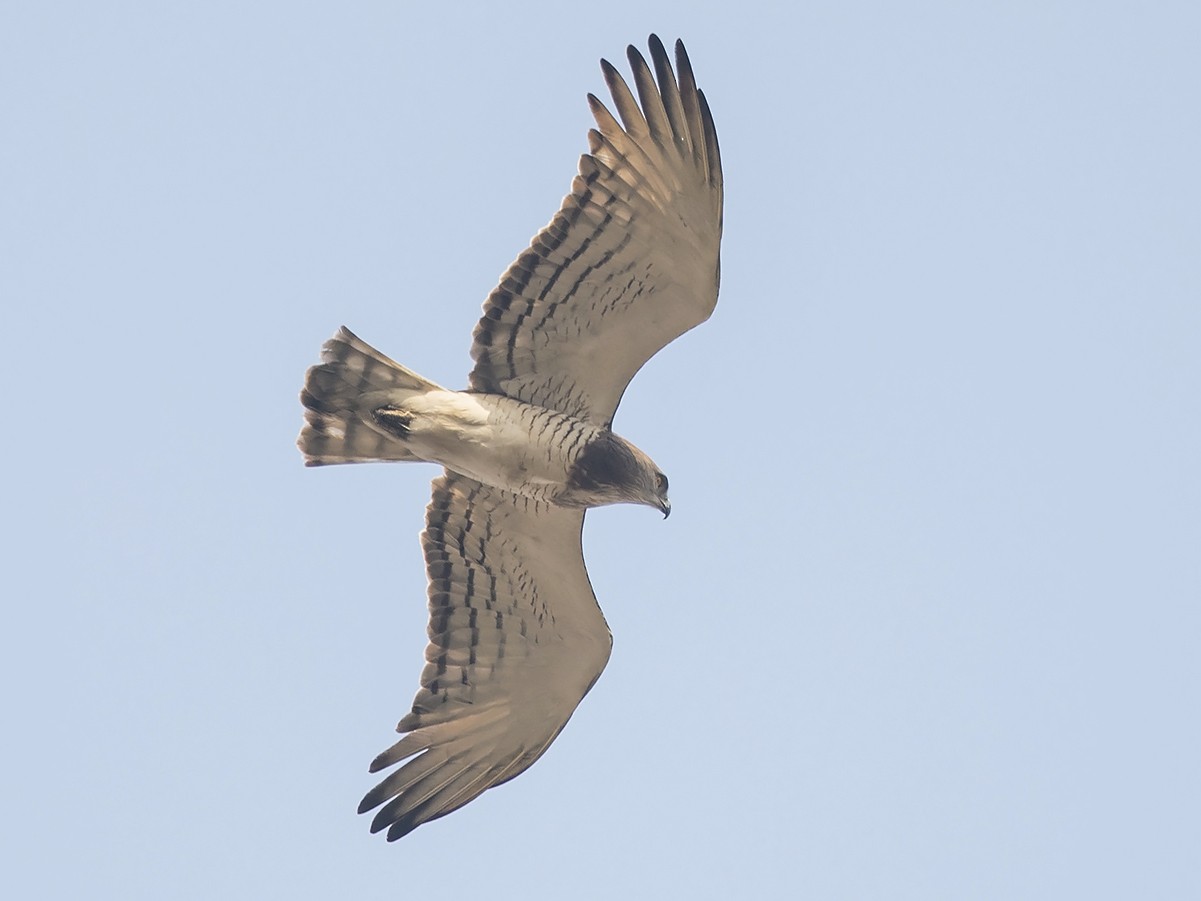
[628, 263]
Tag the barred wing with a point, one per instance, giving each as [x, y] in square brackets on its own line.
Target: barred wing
[516, 641]
[629, 263]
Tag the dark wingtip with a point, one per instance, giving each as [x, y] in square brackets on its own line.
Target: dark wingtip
[400, 829]
[382, 761]
[634, 55]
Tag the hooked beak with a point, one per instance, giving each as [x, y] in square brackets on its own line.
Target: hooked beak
[665, 506]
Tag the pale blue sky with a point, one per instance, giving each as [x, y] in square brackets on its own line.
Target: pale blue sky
[924, 622]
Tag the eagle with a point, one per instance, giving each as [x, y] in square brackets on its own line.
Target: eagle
[516, 637]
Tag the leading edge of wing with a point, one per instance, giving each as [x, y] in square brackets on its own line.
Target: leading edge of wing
[516, 641]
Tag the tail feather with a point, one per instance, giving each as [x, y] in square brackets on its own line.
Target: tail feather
[335, 430]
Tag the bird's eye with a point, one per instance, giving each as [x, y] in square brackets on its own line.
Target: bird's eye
[662, 482]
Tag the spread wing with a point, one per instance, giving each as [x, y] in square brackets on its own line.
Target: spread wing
[628, 264]
[516, 641]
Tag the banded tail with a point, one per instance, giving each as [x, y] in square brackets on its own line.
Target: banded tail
[339, 396]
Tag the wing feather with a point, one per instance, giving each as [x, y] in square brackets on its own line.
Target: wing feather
[672, 102]
[630, 261]
[713, 151]
[516, 641]
[650, 98]
[690, 100]
[623, 99]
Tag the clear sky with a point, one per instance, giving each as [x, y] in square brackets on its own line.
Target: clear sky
[925, 620]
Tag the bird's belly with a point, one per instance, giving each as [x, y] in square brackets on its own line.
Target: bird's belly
[497, 440]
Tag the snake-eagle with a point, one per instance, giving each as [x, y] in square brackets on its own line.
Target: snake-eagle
[629, 263]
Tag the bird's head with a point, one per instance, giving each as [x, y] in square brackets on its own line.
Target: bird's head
[610, 470]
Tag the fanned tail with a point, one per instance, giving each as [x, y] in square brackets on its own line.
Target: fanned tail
[335, 398]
